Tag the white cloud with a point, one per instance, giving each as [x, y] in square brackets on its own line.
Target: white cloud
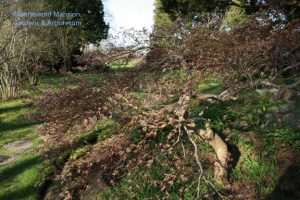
[129, 14]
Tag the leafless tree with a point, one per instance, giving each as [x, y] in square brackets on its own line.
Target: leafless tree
[13, 42]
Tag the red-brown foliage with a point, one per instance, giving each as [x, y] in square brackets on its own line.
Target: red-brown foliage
[91, 62]
[252, 50]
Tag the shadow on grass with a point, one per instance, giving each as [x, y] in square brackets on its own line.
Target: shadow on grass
[18, 123]
[15, 125]
[13, 189]
[11, 172]
[235, 155]
[288, 185]
[17, 108]
[119, 69]
[27, 192]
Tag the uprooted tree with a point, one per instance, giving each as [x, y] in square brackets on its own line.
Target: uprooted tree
[248, 54]
[247, 57]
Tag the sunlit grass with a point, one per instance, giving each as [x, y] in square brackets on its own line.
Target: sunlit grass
[12, 122]
[254, 167]
[123, 65]
[211, 86]
[17, 179]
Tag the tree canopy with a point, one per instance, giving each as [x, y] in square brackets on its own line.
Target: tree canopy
[93, 28]
[188, 9]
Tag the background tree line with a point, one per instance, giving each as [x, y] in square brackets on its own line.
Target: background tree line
[249, 34]
[25, 51]
[231, 13]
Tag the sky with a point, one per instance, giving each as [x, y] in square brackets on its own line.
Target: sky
[129, 14]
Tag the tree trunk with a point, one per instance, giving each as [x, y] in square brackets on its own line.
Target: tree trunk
[67, 65]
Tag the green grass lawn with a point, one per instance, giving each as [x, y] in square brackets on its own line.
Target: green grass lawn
[18, 179]
[13, 125]
[56, 82]
[121, 65]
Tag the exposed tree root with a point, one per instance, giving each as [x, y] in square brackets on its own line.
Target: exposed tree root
[217, 143]
[220, 147]
[220, 172]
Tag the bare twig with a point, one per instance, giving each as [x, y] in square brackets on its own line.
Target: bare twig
[197, 160]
